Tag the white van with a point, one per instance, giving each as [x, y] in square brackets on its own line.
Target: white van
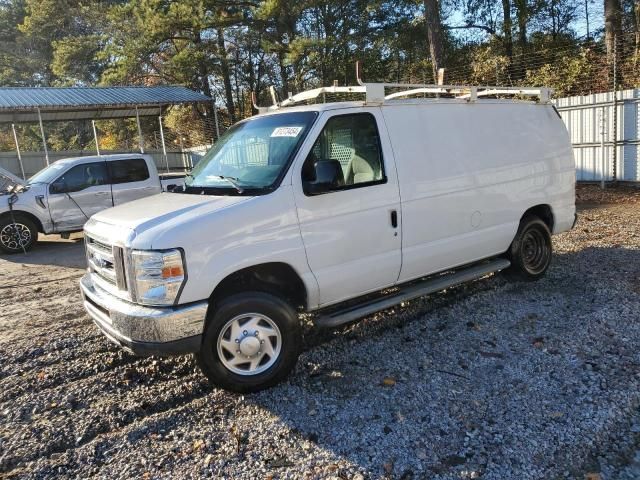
[321, 208]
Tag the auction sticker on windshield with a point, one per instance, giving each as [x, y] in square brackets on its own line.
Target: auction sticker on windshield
[286, 132]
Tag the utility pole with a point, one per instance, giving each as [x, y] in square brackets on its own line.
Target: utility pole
[603, 157]
[164, 147]
[44, 138]
[615, 110]
[15, 139]
[95, 136]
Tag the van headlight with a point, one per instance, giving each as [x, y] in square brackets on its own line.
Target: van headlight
[157, 276]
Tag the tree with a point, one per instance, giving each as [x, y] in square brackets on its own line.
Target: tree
[507, 32]
[484, 16]
[15, 67]
[612, 27]
[636, 11]
[227, 49]
[434, 34]
[279, 20]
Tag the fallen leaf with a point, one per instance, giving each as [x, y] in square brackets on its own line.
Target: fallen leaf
[388, 381]
[593, 476]
[198, 444]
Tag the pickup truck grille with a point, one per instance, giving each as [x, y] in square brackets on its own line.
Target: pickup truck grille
[106, 262]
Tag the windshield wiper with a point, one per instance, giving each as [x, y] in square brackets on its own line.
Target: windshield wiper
[233, 181]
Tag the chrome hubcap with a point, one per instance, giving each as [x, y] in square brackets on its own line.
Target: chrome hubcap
[15, 236]
[249, 344]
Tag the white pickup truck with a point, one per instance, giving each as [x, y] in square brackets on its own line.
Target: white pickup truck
[62, 197]
[337, 209]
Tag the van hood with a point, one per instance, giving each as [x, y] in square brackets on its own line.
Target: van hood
[166, 209]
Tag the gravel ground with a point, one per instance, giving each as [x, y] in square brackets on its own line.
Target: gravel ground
[489, 380]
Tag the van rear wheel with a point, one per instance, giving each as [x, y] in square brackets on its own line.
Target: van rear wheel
[251, 342]
[531, 250]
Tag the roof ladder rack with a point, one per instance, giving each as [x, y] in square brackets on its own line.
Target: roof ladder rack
[375, 92]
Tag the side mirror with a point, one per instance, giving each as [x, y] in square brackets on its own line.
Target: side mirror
[326, 176]
[58, 187]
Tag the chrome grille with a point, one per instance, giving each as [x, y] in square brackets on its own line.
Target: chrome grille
[106, 262]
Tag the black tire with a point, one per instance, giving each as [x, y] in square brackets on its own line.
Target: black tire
[24, 232]
[227, 310]
[530, 252]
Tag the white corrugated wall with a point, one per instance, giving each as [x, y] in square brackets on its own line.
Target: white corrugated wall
[582, 116]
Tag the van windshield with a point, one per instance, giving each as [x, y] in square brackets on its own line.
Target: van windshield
[251, 156]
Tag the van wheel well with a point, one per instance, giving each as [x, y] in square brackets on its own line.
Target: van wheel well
[276, 278]
[28, 215]
[543, 212]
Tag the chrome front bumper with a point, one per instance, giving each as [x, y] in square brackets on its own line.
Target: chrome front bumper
[145, 330]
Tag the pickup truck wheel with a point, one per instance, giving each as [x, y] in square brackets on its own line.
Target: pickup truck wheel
[251, 342]
[530, 252]
[14, 237]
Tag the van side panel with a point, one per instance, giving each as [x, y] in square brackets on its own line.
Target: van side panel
[468, 171]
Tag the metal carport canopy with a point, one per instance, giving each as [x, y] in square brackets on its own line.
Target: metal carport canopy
[21, 105]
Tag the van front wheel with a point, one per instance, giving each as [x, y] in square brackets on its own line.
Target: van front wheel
[251, 342]
[531, 250]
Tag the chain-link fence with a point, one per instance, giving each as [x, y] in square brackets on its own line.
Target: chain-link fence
[582, 68]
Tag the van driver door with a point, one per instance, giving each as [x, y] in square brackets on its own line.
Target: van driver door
[351, 228]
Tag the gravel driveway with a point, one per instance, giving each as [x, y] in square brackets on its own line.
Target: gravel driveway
[489, 380]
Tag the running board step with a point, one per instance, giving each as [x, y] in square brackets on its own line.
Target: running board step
[425, 287]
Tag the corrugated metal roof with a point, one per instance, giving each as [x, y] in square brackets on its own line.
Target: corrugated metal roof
[84, 103]
[16, 98]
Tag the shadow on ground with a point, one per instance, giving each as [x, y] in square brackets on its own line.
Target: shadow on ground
[53, 250]
[509, 382]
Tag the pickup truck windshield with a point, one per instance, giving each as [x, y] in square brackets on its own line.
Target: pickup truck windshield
[48, 174]
[252, 154]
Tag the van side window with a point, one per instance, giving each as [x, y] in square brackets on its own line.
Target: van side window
[125, 171]
[354, 142]
[80, 177]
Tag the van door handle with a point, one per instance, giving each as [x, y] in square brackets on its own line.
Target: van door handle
[394, 218]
